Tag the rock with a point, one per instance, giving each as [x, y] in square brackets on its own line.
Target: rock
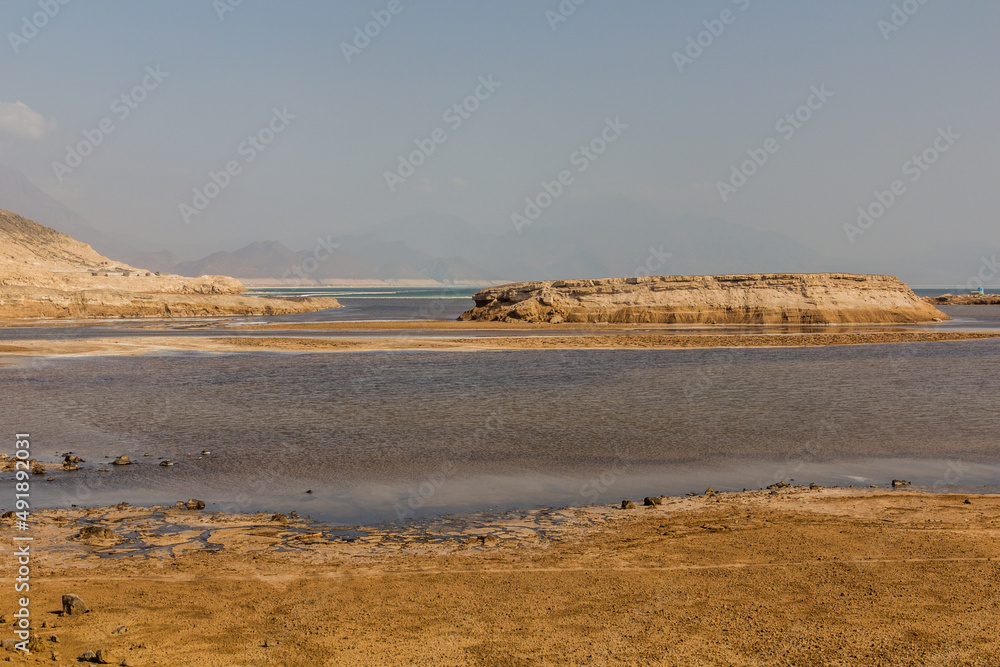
[709, 491]
[281, 518]
[119, 630]
[777, 298]
[195, 504]
[96, 533]
[967, 501]
[8, 644]
[166, 463]
[205, 452]
[87, 656]
[72, 605]
[652, 500]
[814, 485]
[269, 643]
[121, 461]
[37, 468]
[54, 639]
[104, 657]
[896, 483]
[35, 644]
[488, 540]
[779, 485]
[628, 505]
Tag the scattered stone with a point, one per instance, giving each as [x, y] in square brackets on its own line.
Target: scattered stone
[35, 644]
[37, 468]
[166, 463]
[488, 540]
[122, 505]
[652, 500]
[69, 458]
[896, 483]
[709, 491]
[54, 639]
[87, 656]
[104, 657]
[966, 502]
[122, 460]
[814, 485]
[96, 533]
[147, 454]
[7, 515]
[309, 490]
[104, 470]
[281, 518]
[7, 644]
[628, 505]
[195, 504]
[779, 485]
[119, 630]
[268, 643]
[205, 452]
[50, 479]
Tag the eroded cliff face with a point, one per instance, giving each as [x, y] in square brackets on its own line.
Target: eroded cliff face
[780, 298]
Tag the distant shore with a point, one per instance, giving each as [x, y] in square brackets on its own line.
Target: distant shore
[781, 576]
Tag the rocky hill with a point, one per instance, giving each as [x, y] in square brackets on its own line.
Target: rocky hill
[44, 273]
[785, 298]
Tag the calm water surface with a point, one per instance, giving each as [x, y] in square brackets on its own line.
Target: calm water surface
[383, 436]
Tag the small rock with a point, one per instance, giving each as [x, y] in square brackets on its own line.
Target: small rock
[166, 463]
[54, 639]
[268, 643]
[37, 468]
[104, 657]
[50, 479]
[147, 454]
[896, 483]
[72, 605]
[195, 504]
[488, 540]
[119, 630]
[652, 500]
[628, 505]
[309, 490]
[709, 491]
[813, 485]
[279, 517]
[87, 656]
[966, 502]
[122, 460]
[205, 452]
[104, 470]
[779, 485]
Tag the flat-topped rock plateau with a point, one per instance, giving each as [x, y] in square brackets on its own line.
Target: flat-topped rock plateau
[47, 274]
[775, 298]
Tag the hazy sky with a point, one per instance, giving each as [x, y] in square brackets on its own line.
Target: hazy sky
[200, 77]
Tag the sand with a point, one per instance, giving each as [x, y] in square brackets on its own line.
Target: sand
[799, 576]
[128, 346]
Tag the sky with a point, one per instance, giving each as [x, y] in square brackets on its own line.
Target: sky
[209, 124]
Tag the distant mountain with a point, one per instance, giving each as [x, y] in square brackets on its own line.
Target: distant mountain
[271, 259]
[17, 193]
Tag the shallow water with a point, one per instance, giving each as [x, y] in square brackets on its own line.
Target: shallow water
[382, 436]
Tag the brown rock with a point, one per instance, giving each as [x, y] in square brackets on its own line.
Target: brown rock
[122, 460]
[195, 504]
[652, 500]
[72, 605]
[628, 505]
[896, 483]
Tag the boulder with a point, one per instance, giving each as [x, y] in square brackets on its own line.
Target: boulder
[195, 504]
[72, 605]
[628, 505]
[652, 500]
[121, 461]
[896, 483]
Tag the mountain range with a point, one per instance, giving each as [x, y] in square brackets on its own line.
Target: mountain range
[610, 237]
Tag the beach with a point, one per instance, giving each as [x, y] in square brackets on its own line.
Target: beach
[792, 575]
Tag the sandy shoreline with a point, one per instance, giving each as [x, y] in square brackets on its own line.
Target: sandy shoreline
[127, 346]
[790, 576]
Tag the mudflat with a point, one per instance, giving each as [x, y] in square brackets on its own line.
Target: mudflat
[787, 576]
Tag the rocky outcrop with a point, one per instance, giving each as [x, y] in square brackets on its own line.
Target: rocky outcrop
[46, 274]
[30, 302]
[964, 300]
[785, 298]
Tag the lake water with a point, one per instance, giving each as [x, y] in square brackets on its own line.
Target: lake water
[384, 436]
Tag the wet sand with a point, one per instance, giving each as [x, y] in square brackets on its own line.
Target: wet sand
[794, 576]
[125, 345]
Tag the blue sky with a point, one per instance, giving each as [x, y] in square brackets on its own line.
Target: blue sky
[325, 170]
